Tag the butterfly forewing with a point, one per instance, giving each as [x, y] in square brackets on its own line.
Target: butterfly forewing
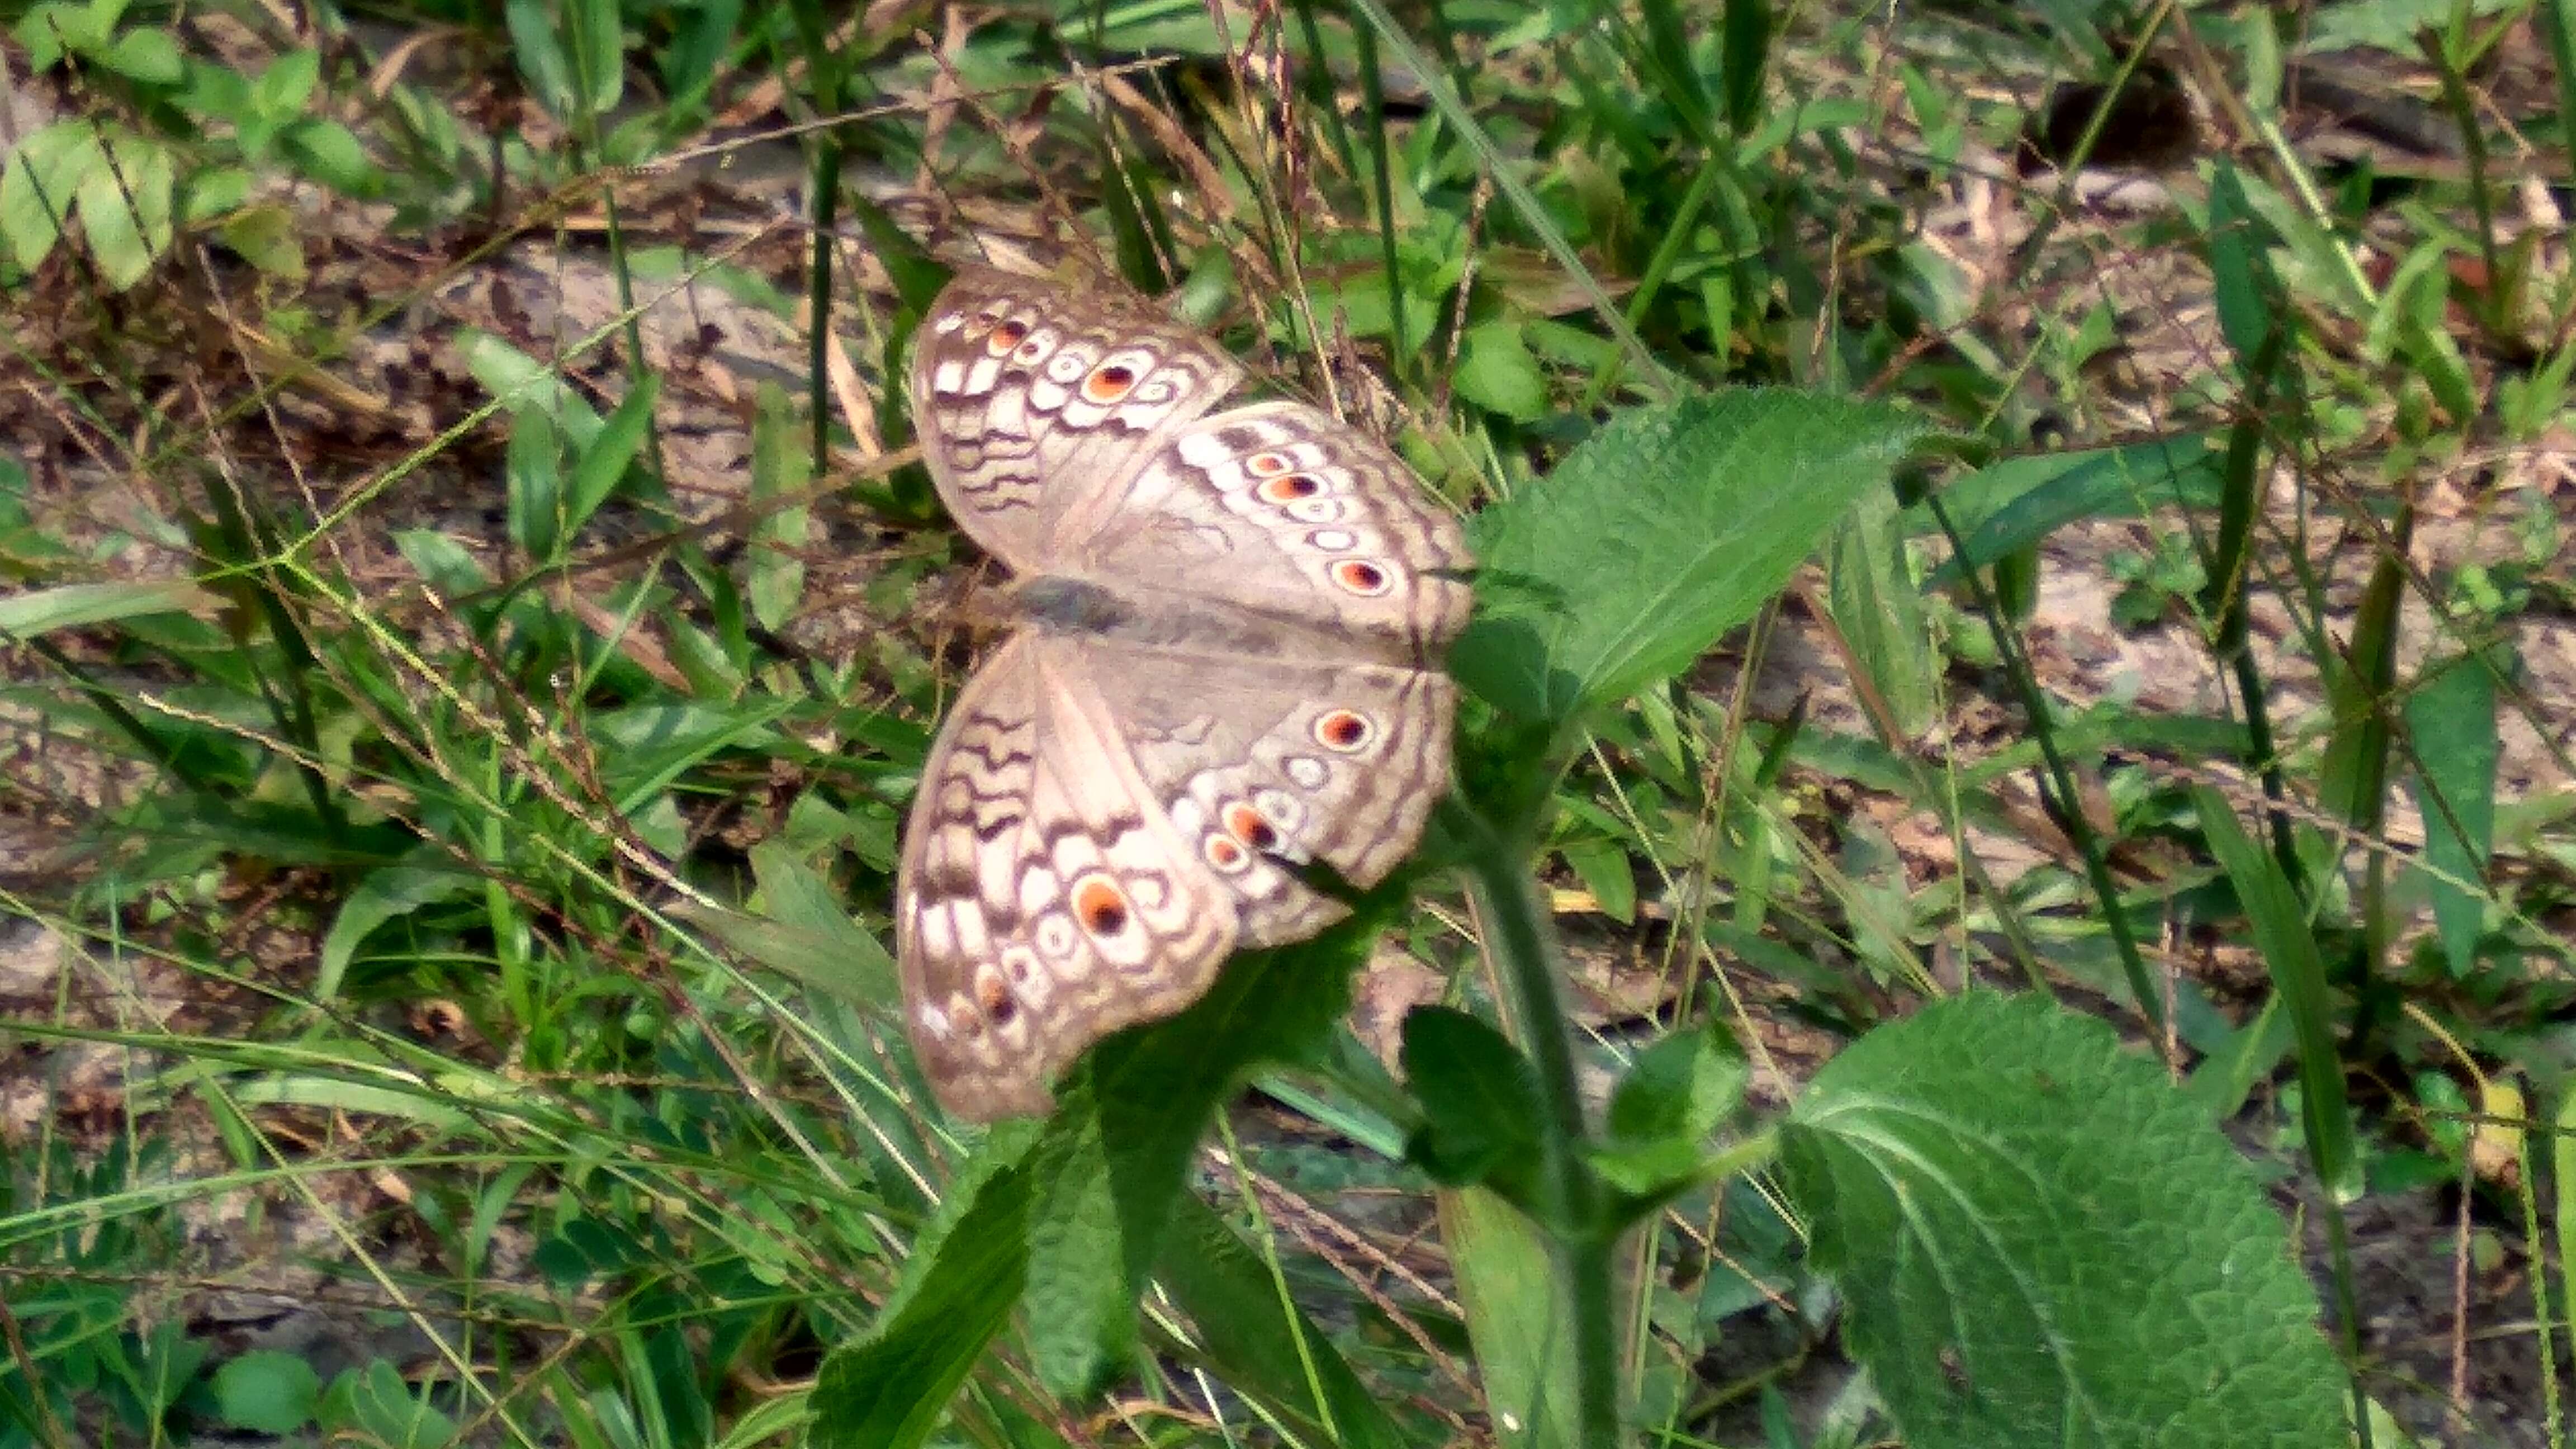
[1291, 515]
[1032, 403]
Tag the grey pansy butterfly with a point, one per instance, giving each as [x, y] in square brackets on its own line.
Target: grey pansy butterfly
[1226, 663]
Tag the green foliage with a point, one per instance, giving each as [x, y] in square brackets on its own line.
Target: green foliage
[532, 874]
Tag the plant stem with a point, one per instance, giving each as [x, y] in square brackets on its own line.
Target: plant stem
[1577, 1219]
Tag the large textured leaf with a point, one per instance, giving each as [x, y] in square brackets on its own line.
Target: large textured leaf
[2044, 1242]
[1665, 529]
[890, 1390]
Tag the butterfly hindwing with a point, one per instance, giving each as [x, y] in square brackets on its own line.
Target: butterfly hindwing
[1046, 899]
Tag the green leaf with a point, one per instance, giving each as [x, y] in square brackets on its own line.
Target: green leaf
[2241, 275]
[1682, 1086]
[38, 184]
[267, 1392]
[1480, 1099]
[541, 55]
[807, 934]
[1258, 1344]
[2451, 717]
[1496, 373]
[1668, 527]
[2290, 953]
[442, 562]
[2043, 1242]
[1663, 1112]
[1517, 1308]
[889, 1390]
[385, 894]
[1129, 1115]
[779, 469]
[533, 461]
[149, 56]
[376, 1403]
[596, 52]
[1880, 612]
[70, 606]
[264, 236]
[330, 153]
[125, 208]
[654, 744]
[1603, 867]
[604, 460]
[2010, 506]
[282, 89]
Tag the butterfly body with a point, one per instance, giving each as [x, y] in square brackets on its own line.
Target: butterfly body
[1226, 665]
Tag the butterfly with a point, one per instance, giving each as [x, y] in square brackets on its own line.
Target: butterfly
[1225, 666]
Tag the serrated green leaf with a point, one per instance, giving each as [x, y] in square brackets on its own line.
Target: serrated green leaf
[892, 1388]
[1130, 1113]
[2043, 1242]
[1668, 527]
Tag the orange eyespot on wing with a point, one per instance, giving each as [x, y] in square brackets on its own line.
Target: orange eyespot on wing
[1343, 730]
[1362, 577]
[1250, 826]
[1100, 906]
[1108, 383]
[1289, 487]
